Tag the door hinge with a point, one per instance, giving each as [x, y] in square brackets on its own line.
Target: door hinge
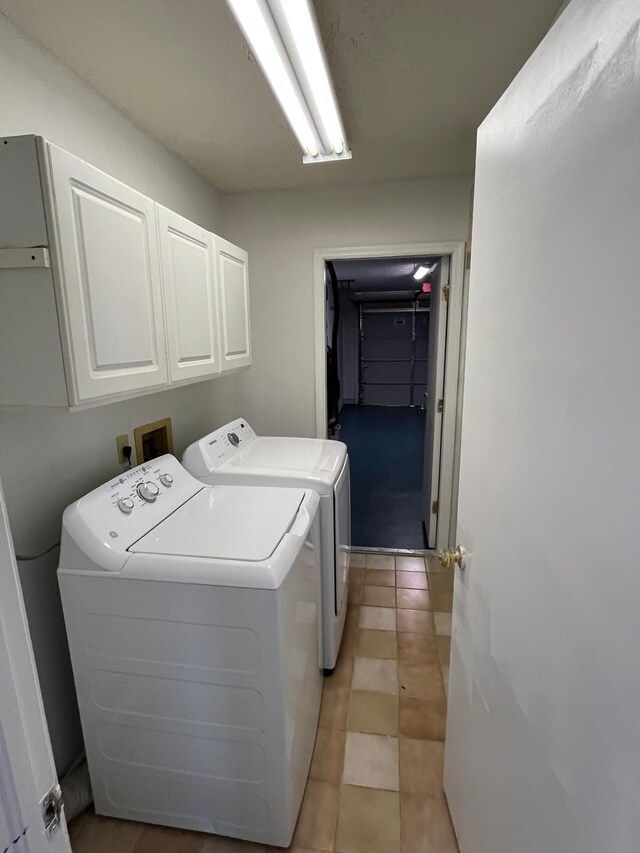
[434, 507]
[440, 406]
[52, 806]
[445, 292]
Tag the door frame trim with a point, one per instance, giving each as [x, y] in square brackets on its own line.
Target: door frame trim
[451, 421]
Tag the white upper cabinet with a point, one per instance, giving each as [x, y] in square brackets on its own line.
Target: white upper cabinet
[190, 298]
[235, 321]
[108, 264]
[104, 294]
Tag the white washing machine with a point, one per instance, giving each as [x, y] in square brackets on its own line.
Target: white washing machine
[193, 622]
[234, 454]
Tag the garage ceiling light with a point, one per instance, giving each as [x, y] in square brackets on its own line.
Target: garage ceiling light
[423, 271]
[284, 36]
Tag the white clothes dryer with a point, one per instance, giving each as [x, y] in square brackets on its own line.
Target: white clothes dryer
[234, 454]
[193, 622]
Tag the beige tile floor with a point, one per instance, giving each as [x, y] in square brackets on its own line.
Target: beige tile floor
[375, 784]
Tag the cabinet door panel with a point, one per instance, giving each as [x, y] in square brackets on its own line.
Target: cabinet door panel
[190, 298]
[234, 304]
[109, 281]
[119, 316]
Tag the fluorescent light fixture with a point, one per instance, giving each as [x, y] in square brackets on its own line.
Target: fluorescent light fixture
[423, 271]
[284, 36]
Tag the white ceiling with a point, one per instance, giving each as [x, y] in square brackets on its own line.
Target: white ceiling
[414, 80]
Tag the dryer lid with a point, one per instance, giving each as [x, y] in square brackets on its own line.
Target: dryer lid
[235, 447]
[226, 523]
[304, 455]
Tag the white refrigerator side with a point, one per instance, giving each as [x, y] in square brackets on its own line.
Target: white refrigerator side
[27, 771]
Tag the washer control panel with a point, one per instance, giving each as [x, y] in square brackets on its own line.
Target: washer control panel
[148, 490]
[141, 485]
[218, 447]
[125, 505]
[126, 508]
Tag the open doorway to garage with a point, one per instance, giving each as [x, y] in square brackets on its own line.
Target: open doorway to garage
[385, 364]
[444, 404]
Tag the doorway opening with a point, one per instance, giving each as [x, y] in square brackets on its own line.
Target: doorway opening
[440, 508]
[386, 329]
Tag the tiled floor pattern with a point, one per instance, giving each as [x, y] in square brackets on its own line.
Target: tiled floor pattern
[375, 784]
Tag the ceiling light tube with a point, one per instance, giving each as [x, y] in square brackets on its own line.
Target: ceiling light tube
[257, 25]
[301, 37]
[421, 272]
[284, 37]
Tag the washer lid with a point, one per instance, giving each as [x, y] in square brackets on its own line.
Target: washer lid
[226, 523]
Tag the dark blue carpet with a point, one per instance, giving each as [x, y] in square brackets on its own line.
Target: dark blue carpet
[386, 453]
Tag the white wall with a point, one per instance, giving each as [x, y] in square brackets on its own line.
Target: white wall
[280, 230]
[47, 459]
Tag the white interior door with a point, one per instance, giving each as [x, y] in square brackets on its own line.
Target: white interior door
[27, 771]
[107, 247]
[190, 297]
[434, 399]
[543, 739]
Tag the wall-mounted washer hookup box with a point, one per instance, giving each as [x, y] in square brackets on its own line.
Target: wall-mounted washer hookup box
[153, 440]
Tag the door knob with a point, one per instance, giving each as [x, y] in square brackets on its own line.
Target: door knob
[448, 557]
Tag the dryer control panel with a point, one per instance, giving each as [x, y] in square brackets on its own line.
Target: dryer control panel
[112, 517]
[203, 457]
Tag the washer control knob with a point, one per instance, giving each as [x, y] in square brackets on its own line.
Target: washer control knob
[125, 505]
[233, 438]
[148, 491]
[166, 480]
